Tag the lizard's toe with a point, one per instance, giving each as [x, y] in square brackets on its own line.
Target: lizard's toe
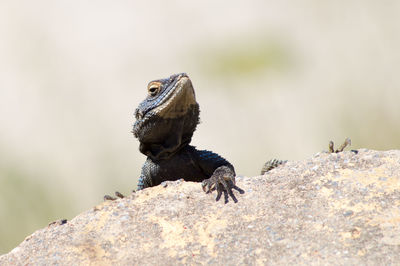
[118, 194]
[209, 185]
[108, 197]
[345, 144]
[223, 179]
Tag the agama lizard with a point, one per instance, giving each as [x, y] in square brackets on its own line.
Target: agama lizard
[165, 123]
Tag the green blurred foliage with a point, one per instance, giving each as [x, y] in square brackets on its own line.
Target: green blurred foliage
[33, 206]
[244, 58]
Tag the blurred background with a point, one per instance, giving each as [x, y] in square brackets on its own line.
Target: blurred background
[274, 79]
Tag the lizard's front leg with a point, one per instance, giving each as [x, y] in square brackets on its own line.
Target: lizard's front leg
[221, 173]
[223, 180]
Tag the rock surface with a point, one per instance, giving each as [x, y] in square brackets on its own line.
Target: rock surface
[331, 209]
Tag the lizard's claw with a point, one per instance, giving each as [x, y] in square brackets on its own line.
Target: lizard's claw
[346, 143]
[118, 194]
[108, 197]
[222, 180]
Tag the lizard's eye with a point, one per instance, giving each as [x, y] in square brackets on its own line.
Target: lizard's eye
[153, 89]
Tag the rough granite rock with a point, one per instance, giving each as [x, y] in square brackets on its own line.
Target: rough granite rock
[331, 209]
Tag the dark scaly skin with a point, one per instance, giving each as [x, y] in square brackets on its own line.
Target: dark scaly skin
[271, 164]
[346, 143]
[165, 123]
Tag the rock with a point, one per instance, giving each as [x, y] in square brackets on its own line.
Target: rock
[331, 209]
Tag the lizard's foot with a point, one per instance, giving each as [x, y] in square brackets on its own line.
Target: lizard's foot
[346, 143]
[271, 164]
[118, 194]
[222, 180]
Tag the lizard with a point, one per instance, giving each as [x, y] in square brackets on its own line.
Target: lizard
[271, 164]
[165, 122]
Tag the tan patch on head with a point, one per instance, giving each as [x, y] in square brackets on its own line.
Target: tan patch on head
[180, 100]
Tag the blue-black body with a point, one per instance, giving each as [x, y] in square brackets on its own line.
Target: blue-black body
[165, 123]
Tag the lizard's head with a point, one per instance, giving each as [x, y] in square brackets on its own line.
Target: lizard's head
[167, 118]
[168, 98]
